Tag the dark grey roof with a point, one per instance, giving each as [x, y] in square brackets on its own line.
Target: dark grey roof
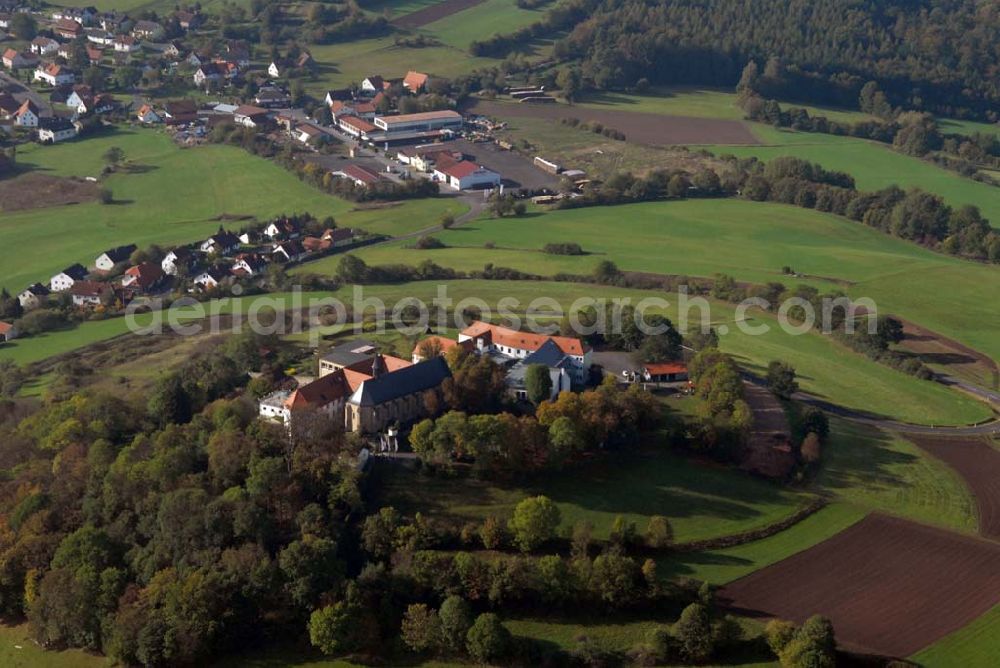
[549, 355]
[120, 253]
[55, 124]
[408, 380]
[77, 272]
[345, 355]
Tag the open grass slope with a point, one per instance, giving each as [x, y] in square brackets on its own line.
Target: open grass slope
[977, 644]
[825, 368]
[700, 500]
[880, 471]
[750, 241]
[19, 650]
[169, 195]
[725, 565]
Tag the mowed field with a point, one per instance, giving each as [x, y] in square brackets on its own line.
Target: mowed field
[169, 195]
[750, 241]
[889, 586]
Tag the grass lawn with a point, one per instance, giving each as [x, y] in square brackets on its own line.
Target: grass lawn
[172, 195]
[873, 165]
[750, 241]
[700, 500]
[977, 644]
[881, 471]
[481, 22]
[18, 650]
[726, 565]
[824, 367]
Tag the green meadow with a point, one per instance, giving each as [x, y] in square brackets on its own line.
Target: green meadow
[700, 500]
[750, 241]
[825, 368]
[977, 644]
[169, 195]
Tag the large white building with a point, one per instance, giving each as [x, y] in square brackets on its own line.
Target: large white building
[467, 175]
[555, 352]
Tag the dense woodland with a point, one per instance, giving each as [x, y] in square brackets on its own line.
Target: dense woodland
[938, 55]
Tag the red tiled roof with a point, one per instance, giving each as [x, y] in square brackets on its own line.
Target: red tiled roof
[359, 173]
[459, 169]
[5, 327]
[414, 80]
[665, 368]
[523, 340]
[357, 123]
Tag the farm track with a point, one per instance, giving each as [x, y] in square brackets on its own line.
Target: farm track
[890, 586]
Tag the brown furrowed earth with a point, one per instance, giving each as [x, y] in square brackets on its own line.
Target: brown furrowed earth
[979, 466]
[638, 127]
[422, 17]
[890, 586]
[33, 191]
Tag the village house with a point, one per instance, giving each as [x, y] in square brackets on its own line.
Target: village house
[107, 260]
[573, 354]
[172, 50]
[467, 175]
[99, 37]
[125, 44]
[17, 60]
[143, 277]
[250, 116]
[148, 115]
[94, 54]
[179, 259]
[309, 134]
[425, 158]
[360, 176]
[8, 105]
[33, 296]
[238, 52]
[148, 30]
[272, 97]
[82, 15]
[220, 243]
[283, 228]
[188, 20]
[52, 130]
[288, 251]
[54, 75]
[667, 374]
[89, 293]
[209, 74]
[65, 279]
[27, 115]
[67, 28]
[249, 264]
[415, 82]
[362, 109]
[210, 278]
[331, 238]
[111, 21]
[65, 51]
[373, 84]
[180, 111]
[79, 94]
[101, 104]
[363, 390]
[44, 46]
[8, 332]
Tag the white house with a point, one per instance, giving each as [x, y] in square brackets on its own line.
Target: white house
[178, 258]
[125, 44]
[249, 264]
[76, 98]
[65, 279]
[27, 115]
[150, 30]
[361, 176]
[209, 279]
[52, 130]
[555, 352]
[466, 175]
[54, 75]
[44, 46]
[373, 84]
[282, 229]
[274, 407]
[33, 296]
[148, 115]
[221, 243]
[88, 293]
[290, 251]
[107, 260]
[250, 116]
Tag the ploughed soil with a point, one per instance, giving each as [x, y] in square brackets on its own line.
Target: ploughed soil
[890, 586]
[422, 17]
[979, 465]
[34, 191]
[638, 127]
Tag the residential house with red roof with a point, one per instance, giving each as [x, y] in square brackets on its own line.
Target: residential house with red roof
[467, 175]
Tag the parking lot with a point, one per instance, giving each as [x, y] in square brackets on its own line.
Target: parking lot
[517, 170]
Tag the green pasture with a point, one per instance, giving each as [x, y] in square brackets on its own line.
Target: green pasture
[700, 500]
[750, 241]
[169, 195]
[977, 644]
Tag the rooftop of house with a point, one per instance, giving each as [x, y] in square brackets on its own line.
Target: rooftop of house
[359, 173]
[665, 368]
[445, 114]
[409, 380]
[512, 338]
[350, 352]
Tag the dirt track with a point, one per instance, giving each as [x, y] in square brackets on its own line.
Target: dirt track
[889, 586]
[639, 127]
[979, 466]
[422, 17]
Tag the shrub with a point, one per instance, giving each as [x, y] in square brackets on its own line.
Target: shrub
[487, 639]
[535, 522]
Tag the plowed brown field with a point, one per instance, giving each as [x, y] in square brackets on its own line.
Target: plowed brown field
[889, 586]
